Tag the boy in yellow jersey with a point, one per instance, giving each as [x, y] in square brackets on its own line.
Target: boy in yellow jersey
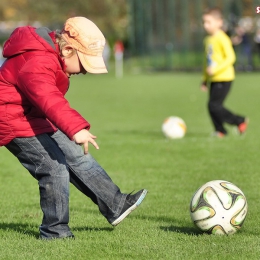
[219, 72]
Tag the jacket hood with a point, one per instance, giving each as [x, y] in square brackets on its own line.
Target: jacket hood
[27, 38]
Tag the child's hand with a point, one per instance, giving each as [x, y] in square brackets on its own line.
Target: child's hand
[203, 87]
[209, 71]
[83, 137]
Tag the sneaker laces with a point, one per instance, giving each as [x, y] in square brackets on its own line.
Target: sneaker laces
[129, 194]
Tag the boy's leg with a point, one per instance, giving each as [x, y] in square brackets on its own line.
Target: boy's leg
[219, 114]
[91, 178]
[44, 160]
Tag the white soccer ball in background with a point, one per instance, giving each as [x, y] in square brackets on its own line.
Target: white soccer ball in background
[218, 207]
[174, 127]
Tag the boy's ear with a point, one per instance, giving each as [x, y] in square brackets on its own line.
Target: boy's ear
[66, 51]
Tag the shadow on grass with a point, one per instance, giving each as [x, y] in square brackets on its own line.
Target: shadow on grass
[157, 135]
[22, 228]
[198, 135]
[177, 227]
[29, 230]
[154, 133]
[192, 231]
[107, 229]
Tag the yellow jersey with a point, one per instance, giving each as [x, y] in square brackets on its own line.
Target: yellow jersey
[220, 56]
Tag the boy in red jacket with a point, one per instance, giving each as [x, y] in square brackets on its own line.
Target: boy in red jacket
[40, 128]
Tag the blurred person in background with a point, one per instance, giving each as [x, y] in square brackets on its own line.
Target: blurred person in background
[119, 58]
[219, 72]
[242, 43]
[2, 59]
[106, 54]
[257, 40]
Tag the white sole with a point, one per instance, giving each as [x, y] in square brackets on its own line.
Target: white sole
[128, 211]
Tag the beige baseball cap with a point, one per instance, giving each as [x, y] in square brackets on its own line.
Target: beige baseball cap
[84, 36]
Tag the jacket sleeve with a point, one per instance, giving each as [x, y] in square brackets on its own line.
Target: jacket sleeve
[229, 56]
[37, 82]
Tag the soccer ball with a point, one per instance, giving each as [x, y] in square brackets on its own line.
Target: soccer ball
[218, 207]
[174, 127]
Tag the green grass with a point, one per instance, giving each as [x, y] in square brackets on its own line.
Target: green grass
[126, 115]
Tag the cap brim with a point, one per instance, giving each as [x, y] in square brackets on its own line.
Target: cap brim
[92, 64]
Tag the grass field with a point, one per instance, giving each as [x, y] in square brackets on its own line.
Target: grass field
[126, 115]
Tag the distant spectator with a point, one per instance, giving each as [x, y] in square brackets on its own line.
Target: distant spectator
[257, 40]
[2, 59]
[242, 41]
[106, 54]
[119, 57]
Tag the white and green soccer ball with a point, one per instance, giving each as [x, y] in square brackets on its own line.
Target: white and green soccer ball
[174, 127]
[218, 207]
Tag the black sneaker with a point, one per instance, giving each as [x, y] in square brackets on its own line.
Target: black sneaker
[131, 203]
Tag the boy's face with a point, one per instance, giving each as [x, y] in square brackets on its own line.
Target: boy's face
[211, 24]
[72, 62]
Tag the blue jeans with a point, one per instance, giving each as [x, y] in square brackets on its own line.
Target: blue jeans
[54, 160]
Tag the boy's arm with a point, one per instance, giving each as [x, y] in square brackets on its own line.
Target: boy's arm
[37, 82]
[204, 72]
[229, 55]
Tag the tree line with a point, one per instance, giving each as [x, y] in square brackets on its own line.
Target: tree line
[110, 15]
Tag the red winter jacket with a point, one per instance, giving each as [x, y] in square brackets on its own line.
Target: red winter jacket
[32, 88]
